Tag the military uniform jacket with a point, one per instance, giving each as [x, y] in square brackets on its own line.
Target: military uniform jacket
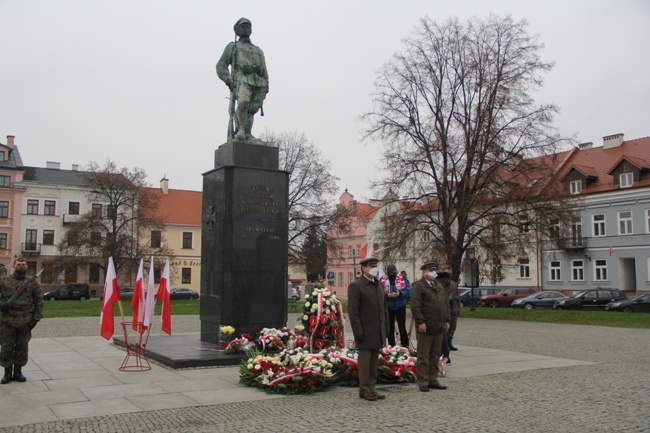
[28, 305]
[367, 313]
[451, 289]
[430, 305]
[248, 65]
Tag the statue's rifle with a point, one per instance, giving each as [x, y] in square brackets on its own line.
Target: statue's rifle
[231, 106]
[12, 300]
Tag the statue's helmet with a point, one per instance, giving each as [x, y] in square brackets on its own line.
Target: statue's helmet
[240, 22]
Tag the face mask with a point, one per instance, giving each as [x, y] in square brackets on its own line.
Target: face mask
[373, 272]
[432, 274]
[443, 275]
[20, 272]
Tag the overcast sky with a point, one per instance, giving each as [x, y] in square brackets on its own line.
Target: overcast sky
[135, 81]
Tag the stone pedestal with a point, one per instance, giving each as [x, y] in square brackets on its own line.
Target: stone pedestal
[244, 241]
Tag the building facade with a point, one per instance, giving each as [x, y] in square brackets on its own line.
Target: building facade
[609, 245]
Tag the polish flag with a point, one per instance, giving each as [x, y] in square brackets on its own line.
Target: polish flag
[111, 296]
[150, 301]
[164, 296]
[137, 303]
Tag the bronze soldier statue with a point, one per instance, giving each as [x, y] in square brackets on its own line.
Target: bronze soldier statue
[247, 79]
[21, 307]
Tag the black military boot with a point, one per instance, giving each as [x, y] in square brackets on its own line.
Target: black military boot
[7, 377]
[18, 374]
[451, 346]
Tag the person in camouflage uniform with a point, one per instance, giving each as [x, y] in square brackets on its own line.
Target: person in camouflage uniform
[451, 288]
[18, 320]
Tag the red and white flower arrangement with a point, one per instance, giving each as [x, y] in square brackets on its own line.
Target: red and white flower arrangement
[291, 371]
[323, 320]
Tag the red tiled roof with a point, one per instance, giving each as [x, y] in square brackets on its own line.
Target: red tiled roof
[640, 163]
[603, 160]
[179, 207]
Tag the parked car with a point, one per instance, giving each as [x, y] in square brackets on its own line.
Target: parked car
[538, 300]
[182, 293]
[75, 292]
[591, 299]
[637, 304]
[126, 294]
[506, 296]
[465, 294]
[294, 293]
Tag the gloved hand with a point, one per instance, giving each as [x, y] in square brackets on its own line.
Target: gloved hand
[33, 324]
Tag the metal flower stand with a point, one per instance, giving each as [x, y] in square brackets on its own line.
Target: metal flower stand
[136, 347]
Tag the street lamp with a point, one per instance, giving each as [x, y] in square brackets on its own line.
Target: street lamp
[471, 258]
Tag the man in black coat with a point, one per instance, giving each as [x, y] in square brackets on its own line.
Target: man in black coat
[369, 319]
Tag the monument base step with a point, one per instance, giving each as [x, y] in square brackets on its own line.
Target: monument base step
[185, 351]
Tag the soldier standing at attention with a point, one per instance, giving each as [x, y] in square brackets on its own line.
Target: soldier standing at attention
[430, 309]
[21, 306]
[369, 319]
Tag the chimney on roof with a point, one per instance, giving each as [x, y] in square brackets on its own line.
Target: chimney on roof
[10, 141]
[587, 145]
[164, 185]
[75, 167]
[53, 165]
[611, 141]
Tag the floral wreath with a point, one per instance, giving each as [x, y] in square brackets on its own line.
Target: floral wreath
[323, 319]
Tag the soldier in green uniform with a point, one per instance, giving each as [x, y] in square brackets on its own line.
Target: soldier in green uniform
[451, 287]
[21, 306]
[430, 309]
[247, 79]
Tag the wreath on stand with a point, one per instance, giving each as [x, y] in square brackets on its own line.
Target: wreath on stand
[323, 320]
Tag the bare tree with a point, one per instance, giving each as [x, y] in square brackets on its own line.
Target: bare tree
[121, 211]
[311, 186]
[465, 142]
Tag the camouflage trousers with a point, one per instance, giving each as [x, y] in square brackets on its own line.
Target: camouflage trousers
[15, 342]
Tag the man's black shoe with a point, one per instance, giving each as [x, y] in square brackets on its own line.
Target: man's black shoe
[451, 346]
[437, 386]
[424, 389]
[368, 396]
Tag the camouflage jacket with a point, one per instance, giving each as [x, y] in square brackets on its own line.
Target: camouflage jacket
[28, 305]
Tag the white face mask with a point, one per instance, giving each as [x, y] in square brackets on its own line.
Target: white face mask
[373, 272]
[432, 274]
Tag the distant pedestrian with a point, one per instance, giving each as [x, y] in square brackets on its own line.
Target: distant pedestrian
[430, 309]
[398, 290]
[368, 318]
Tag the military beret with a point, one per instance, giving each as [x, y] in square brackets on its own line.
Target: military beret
[369, 261]
[19, 258]
[429, 265]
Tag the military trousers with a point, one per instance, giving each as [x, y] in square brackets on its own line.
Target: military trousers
[426, 366]
[368, 362]
[15, 343]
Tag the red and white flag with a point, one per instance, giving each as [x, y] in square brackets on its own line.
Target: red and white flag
[111, 296]
[137, 303]
[150, 302]
[164, 296]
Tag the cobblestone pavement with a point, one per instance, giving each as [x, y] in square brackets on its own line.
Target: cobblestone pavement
[612, 395]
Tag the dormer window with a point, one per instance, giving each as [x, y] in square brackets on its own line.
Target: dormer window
[575, 186]
[626, 180]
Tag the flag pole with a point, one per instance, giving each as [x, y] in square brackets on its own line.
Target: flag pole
[126, 333]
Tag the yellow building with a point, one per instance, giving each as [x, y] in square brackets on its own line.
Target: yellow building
[180, 214]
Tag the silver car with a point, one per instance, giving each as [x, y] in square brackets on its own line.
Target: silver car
[538, 300]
